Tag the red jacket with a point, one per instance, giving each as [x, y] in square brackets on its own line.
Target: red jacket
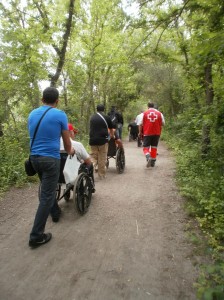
[152, 122]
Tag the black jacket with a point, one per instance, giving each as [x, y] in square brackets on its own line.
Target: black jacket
[116, 117]
[98, 132]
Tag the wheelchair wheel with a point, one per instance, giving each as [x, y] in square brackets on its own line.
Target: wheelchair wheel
[82, 193]
[139, 142]
[67, 195]
[58, 191]
[120, 160]
[107, 163]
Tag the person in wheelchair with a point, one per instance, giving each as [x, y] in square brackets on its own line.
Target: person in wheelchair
[117, 139]
[82, 155]
[116, 151]
[133, 130]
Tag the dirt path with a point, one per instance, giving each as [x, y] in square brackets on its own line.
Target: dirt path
[130, 245]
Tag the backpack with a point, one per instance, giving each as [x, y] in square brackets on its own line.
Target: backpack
[113, 117]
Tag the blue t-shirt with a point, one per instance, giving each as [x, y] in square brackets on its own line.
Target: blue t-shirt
[47, 140]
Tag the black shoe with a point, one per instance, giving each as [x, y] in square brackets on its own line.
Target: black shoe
[55, 219]
[153, 163]
[37, 243]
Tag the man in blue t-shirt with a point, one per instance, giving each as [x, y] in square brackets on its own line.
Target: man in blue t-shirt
[45, 158]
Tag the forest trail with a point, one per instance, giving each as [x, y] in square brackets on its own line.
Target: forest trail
[132, 243]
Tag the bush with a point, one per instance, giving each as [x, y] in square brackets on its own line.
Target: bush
[201, 182]
[12, 160]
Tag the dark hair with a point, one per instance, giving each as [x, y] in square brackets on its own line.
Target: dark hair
[100, 107]
[150, 104]
[50, 95]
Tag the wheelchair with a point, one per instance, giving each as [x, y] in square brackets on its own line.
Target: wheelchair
[133, 131]
[116, 153]
[82, 188]
[139, 142]
[132, 136]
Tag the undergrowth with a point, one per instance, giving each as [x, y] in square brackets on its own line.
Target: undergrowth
[14, 151]
[13, 154]
[201, 182]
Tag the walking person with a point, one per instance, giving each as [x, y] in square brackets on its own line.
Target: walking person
[101, 129]
[133, 130]
[117, 120]
[120, 123]
[138, 121]
[150, 128]
[45, 158]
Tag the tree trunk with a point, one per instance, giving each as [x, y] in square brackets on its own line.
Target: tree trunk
[1, 131]
[62, 52]
[90, 102]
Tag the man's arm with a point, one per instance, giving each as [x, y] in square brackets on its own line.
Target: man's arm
[88, 161]
[67, 142]
[121, 119]
[140, 127]
[140, 130]
[110, 127]
[111, 132]
[81, 152]
[163, 119]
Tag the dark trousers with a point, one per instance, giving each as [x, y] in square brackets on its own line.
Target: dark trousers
[48, 169]
[88, 169]
[119, 130]
[150, 143]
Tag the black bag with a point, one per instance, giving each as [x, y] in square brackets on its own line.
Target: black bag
[29, 168]
[114, 119]
[28, 165]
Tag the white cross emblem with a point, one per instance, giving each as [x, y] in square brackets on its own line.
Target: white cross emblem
[152, 116]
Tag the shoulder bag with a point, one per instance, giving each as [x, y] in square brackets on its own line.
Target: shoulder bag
[30, 171]
[103, 119]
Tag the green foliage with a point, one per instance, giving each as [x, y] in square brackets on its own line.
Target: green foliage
[159, 55]
[135, 107]
[201, 182]
[12, 160]
[210, 284]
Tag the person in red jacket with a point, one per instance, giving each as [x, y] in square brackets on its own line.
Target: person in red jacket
[150, 128]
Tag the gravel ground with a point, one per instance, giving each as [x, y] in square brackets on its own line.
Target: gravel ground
[132, 243]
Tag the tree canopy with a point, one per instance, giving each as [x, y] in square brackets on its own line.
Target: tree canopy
[170, 52]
